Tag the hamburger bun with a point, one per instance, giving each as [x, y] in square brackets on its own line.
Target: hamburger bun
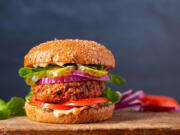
[65, 51]
[85, 116]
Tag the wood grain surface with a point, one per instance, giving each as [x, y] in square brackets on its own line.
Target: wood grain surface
[123, 122]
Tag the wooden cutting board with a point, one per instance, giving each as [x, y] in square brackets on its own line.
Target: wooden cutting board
[123, 122]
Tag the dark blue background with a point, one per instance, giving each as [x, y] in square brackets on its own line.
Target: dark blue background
[144, 36]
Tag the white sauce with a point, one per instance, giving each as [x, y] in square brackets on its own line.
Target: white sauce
[75, 111]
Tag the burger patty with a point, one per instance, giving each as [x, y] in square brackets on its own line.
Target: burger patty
[59, 92]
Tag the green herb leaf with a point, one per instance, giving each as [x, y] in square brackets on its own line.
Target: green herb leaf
[33, 77]
[36, 73]
[42, 69]
[24, 71]
[112, 96]
[4, 112]
[16, 106]
[97, 67]
[114, 79]
[29, 95]
[100, 67]
[2, 103]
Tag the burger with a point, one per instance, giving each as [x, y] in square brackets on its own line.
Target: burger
[67, 79]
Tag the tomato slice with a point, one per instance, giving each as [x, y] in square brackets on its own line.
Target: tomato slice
[69, 104]
[87, 101]
[161, 101]
[49, 105]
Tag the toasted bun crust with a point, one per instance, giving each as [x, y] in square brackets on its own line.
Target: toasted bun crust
[69, 51]
[85, 116]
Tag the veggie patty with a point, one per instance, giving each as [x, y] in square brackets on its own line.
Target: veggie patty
[59, 92]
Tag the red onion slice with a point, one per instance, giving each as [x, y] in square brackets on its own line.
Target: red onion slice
[130, 98]
[132, 104]
[134, 96]
[61, 79]
[74, 77]
[126, 94]
[177, 109]
[142, 108]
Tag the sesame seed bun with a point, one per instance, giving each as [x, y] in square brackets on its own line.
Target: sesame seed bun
[85, 116]
[69, 51]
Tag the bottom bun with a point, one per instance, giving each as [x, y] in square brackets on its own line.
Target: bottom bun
[85, 116]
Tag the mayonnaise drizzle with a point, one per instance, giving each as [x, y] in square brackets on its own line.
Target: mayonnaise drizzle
[74, 111]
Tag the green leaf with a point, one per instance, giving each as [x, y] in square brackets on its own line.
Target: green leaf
[114, 79]
[29, 95]
[2, 104]
[24, 71]
[100, 67]
[4, 113]
[42, 69]
[16, 106]
[112, 96]
[28, 73]
[33, 77]
[97, 67]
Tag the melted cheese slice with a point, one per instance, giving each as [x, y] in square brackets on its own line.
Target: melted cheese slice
[75, 111]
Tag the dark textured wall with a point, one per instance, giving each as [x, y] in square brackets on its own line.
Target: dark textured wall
[144, 36]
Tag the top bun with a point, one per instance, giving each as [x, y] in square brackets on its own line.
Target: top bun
[65, 51]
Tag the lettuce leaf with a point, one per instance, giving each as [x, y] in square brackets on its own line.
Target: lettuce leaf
[97, 67]
[28, 73]
[4, 113]
[29, 95]
[114, 79]
[25, 71]
[16, 106]
[112, 96]
[2, 104]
